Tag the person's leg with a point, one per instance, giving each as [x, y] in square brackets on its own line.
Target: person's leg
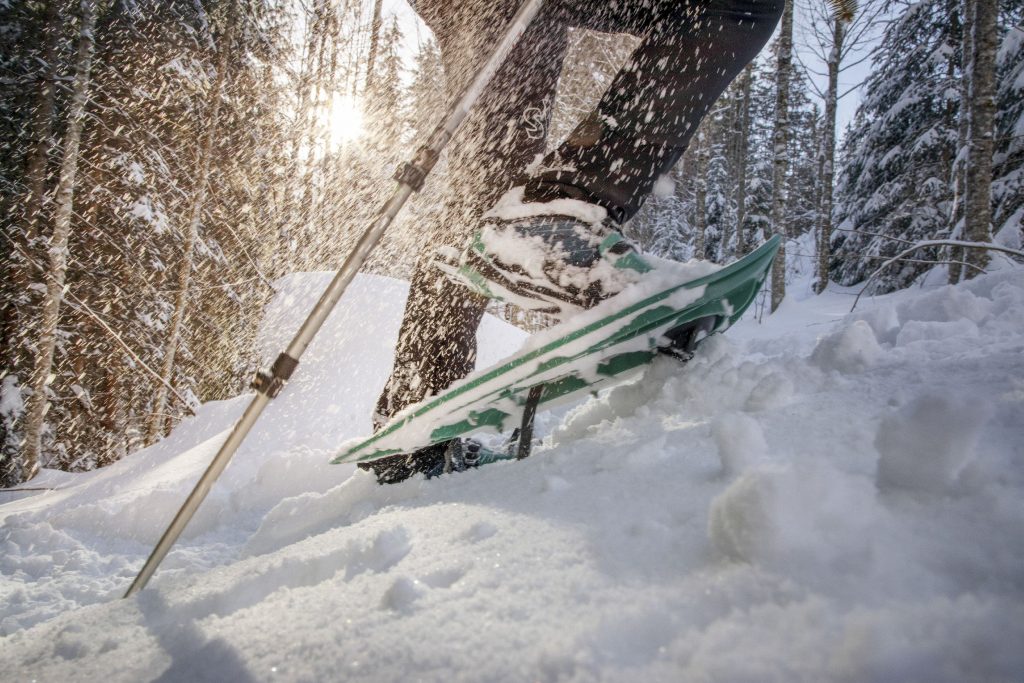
[690, 53]
[437, 340]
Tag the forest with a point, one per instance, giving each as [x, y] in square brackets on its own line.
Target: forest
[163, 163]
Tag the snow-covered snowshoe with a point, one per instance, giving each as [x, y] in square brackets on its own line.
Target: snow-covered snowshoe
[669, 312]
[555, 257]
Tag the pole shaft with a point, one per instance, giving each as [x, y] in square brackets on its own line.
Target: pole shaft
[316, 318]
[213, 471]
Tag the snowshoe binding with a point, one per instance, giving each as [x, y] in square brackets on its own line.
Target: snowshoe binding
[555, 257]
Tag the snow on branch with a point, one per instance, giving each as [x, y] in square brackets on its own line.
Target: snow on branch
[934, 243]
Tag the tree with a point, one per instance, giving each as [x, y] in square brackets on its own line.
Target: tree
[780, 138]
[840, 43]
[980, 126]
[741, 150]
[894, 186]
[1008, 157]
[57, 248]
[27, 116]
[197, 204]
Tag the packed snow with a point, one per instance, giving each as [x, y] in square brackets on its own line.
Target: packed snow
[822, 496]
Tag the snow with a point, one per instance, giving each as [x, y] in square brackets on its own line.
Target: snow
[664, 186]
[512, 206]
[927, 444]
[850, 350]
[828, 496]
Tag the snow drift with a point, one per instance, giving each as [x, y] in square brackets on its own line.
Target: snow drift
[824, 497]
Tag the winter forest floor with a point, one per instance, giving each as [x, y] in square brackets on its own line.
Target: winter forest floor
[822, 497]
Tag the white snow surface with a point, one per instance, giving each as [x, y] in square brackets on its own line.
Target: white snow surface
[822, 497]
[512, 205]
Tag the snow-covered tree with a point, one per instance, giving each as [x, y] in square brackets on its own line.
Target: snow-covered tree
[894, 186]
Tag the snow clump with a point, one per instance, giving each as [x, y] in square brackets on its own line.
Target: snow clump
[740, 442]
[851, 350]
[805, 515]
[926, 445]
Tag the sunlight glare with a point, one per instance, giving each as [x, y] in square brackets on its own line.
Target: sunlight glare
[344, 120]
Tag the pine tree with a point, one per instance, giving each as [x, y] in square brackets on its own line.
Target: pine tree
[894, 186]
[1008, 156]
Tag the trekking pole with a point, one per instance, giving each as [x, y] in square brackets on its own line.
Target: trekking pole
[410, 177]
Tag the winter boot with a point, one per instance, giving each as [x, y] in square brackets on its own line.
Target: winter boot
[456, 455]
[429, 461]
[557, 257]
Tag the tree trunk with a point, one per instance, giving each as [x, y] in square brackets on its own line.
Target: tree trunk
[960, 156]
[42, 124]
[57, 250]
[21, 248]
[978, 187]
[780, 140]
[157, 418]
[701, 195]
[374, 39]
[743, 239]
[828, 150]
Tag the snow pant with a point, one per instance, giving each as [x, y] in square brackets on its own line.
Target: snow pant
[690, 51]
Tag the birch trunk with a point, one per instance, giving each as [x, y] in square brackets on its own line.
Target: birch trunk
[158, 418]
[42, 126]
[57, 249]
[828, 149]
[978, 183]
[780, 140]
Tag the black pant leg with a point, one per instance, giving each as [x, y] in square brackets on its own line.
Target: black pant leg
[505, 132]
[690, 53]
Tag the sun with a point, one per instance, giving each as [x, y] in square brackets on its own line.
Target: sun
[344, 120]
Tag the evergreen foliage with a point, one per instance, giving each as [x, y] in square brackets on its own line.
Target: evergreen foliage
[896, 184]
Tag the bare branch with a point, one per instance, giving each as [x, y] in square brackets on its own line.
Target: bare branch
[988, 246]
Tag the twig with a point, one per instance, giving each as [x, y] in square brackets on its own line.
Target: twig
[935, 243]
[34, 488]
[874, 234]
[80, 305]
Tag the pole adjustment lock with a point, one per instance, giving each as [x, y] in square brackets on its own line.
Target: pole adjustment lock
[414, 173]
[271, 383]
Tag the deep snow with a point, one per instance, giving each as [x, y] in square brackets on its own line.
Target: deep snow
[822, 497]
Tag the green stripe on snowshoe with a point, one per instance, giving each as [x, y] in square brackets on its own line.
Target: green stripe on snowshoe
[492, 417]
[624, 362]
[727, 294]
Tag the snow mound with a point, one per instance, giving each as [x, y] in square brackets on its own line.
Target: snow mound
[807, 519]
[740, 442]
[850, 350]
[926, 445]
